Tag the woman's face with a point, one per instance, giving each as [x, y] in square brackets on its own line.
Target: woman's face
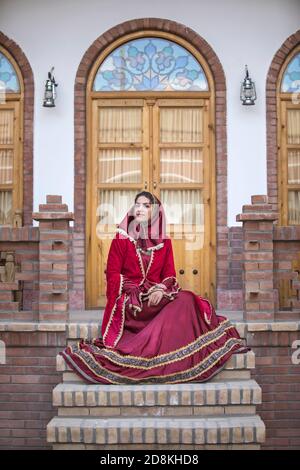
[142, 209]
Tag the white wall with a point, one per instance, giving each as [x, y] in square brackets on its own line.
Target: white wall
[54, 32]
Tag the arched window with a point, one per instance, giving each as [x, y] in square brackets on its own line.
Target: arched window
[11, 112]
[289, 139]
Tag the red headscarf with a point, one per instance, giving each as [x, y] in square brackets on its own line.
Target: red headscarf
[147, 234]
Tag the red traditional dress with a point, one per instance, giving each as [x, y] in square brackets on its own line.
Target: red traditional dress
[179, 340]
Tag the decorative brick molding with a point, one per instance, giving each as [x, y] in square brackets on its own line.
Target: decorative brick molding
[259, 293]
[27, 76]
[99, 45]
[18, 296]
[287, 271]
[271, 115]
[54, 259]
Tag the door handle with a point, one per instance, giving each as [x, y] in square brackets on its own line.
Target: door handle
[154, 185]
[195, 271]
[146, 185]
[181, 271]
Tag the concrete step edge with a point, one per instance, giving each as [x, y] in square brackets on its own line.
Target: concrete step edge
[193, 430]
[236, 392]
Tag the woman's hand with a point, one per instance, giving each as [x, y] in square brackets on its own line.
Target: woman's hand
[155, 297]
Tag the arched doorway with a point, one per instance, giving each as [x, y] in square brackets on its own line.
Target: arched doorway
[16, 105]
[11, 139]
[289, 139]
[150, 125]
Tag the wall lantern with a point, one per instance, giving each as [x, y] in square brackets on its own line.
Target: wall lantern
[50, 93]
[248, 92]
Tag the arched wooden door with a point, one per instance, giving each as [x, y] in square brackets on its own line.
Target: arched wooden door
[11, 140]
[161, 141]
[288, 112]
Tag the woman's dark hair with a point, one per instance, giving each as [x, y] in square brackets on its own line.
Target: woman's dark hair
[148, 195]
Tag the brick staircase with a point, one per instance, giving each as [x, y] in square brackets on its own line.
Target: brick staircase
[219, 414]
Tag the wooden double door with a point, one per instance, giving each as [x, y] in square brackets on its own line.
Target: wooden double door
[165, 146]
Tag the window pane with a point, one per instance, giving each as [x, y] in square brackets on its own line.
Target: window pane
[181, 166]
[293, 126]
[120, 125]
[294, 167]
[120, 166]
[294, 207]
[291, 75]
[179, 125]
[184, 210]
[6, 166]
[153, 64]
[6, 126]
[112, 207]
[8, 77]
[5, 207]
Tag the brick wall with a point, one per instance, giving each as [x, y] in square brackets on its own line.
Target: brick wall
[280, 382]
[230, 269]
[287, 271]
[26, 383]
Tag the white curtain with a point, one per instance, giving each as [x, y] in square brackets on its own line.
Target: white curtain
[6, 164]
[120, 124]
[120, 166]
[293, 138]
[5, 207]
[181, 124]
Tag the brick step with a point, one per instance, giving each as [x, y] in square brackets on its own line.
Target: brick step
[235, 397]
[158, 431]
[238, 367]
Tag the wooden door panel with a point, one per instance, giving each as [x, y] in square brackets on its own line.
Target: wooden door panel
[289, 164]
[182, 181]
[160, 145]
[10, 162]
[119, 169]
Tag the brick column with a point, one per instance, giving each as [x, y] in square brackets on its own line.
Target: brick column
[258, 274]
[54, 262]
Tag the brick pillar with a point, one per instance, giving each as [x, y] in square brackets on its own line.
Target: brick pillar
[54, 263]
[258, 274]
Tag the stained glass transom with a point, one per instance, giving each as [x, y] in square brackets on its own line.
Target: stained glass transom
[8, 77]
[150, 64]
[291, 77]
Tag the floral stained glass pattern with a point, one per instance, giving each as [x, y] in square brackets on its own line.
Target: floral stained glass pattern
[291, 77]
[150, 64]
[8, 77]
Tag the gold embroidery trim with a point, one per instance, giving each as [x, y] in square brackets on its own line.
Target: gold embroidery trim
[161, 364]
[133, 380]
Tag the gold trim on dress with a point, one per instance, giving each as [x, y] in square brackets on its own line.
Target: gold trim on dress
[181, 376]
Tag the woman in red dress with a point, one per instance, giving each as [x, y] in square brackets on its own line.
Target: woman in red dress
[152, 330]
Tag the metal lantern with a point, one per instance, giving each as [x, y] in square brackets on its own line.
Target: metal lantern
[248, 92]
[50, 93]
